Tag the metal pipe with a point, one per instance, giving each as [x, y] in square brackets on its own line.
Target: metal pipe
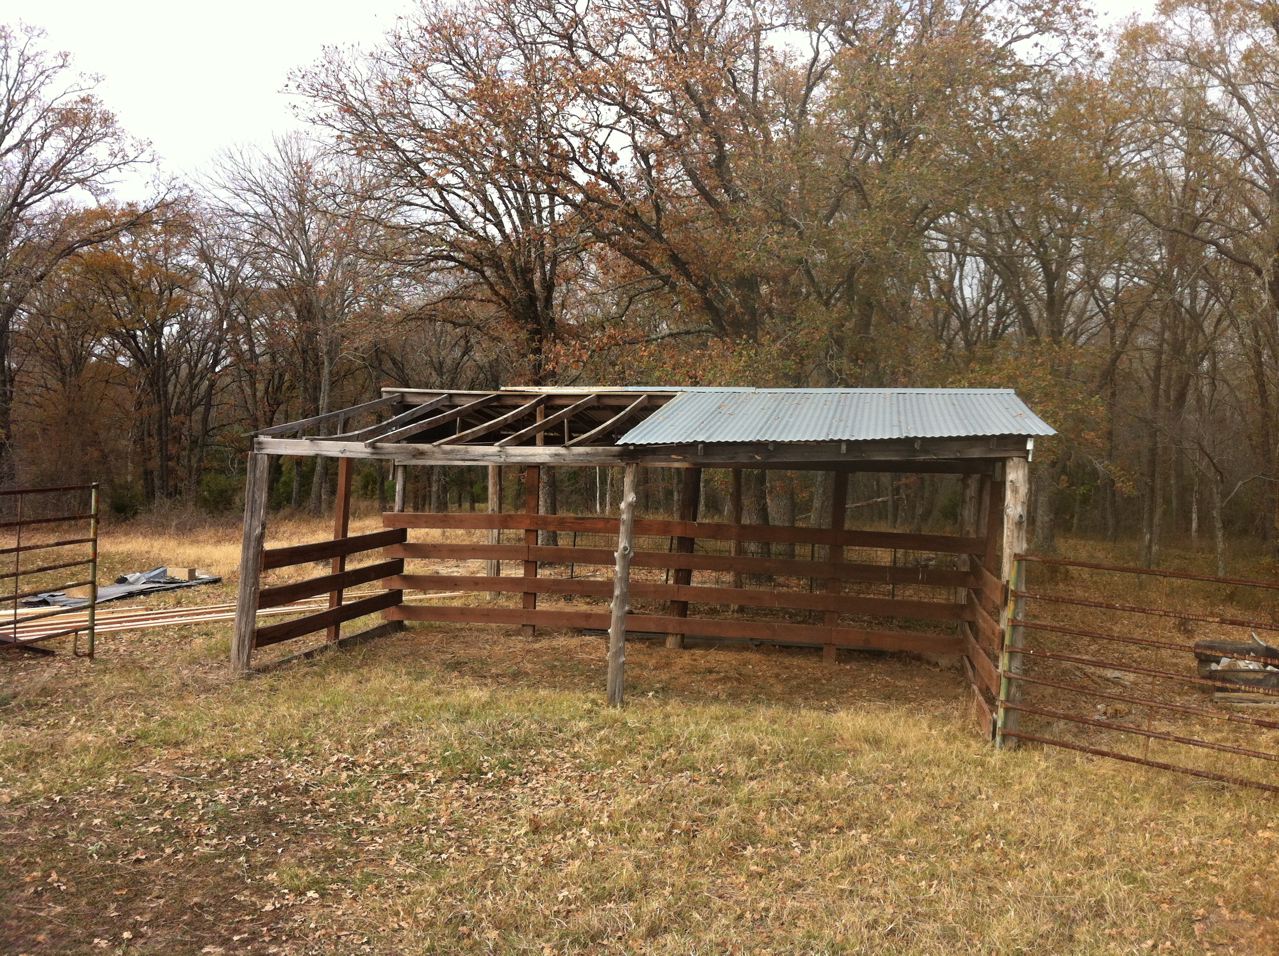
[1156, 764]
[1155, 612]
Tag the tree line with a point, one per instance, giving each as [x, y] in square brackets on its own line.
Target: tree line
[793, 193]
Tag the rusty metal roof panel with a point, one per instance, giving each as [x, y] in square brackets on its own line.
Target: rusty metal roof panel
[786, 415]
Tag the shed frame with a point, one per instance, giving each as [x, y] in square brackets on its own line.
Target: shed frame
[535, 428]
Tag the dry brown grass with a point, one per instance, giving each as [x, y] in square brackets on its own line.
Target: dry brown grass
[465, 790]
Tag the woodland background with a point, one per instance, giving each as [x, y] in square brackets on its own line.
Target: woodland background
[804, 193]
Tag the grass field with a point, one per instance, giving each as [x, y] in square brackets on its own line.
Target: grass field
[465, 790]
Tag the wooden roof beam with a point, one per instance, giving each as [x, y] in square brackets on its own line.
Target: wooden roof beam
[394, 422]
[452, 415]
[609, 425]
[289, 428]
[564, 414]
[494, 424]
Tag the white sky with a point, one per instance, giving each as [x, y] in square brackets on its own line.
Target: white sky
[195, 78]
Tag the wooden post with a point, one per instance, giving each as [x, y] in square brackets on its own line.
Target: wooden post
[256, 486]
[838, 510]
[341, 528]
[1016, 504]
[690, 500]
[735, 516]
[493, 567]
[401, 481]
[532, 481]
[621, 589]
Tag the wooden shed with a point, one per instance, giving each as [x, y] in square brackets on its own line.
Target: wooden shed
[680, 560]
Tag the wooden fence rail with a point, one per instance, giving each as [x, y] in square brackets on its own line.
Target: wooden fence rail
[333, 584]
[675, 598]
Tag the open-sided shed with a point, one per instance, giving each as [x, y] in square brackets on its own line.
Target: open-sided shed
[986, 436]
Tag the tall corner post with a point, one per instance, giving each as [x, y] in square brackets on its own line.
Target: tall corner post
[621, 589]
[256, 486]
[1016, 510]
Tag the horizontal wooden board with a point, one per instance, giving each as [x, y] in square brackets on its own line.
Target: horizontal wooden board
[724, 629]
[781, 567]
[986, 629]
[273, 558]
[660, 527]
[327, 583]
[987, 673]
[287, 630]
[693, 594]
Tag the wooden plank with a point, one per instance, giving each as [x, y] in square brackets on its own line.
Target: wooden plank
[287, 428]
[780, 599]
[666, 528]
[855, 456]
[322, 620]
[395, 421]
[282, 594]
[853, 638]
[296, 554]
[985, 628]
[256, 493]
[982, 711]
[690, 497]
[838, 514]
[494, 424]
[435, 421]
[563, 415]
[532, 503]
[621, 589]
[779, 567]
[987, 674]
[341, 530]
[609, 425]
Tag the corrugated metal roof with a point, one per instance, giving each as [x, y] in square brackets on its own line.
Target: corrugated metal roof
[836, 414]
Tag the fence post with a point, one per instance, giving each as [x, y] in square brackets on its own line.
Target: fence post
[1016, 496]
[621, 589]
[246, 606]
[690, 496]
[532, 504]
[93, 567]
[341, 529]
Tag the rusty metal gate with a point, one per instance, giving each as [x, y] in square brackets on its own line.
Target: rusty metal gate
[38, 531]
[1172, 670]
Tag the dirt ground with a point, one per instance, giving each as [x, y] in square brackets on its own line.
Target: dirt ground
[464, 789]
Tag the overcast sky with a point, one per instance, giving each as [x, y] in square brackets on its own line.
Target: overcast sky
[197, 77]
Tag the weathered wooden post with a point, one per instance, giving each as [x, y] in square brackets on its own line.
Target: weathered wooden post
[401, 481]
[835, 555]
[493, 567]
[621, 589]
[341, 529]
[690, 497]
[735, 517]
[532, 503]
[246, 606]
[1016, 500]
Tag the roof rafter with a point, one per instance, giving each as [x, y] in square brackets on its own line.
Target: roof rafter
[494, 424]
[564, 414]
[609, 425]
[453, 414]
